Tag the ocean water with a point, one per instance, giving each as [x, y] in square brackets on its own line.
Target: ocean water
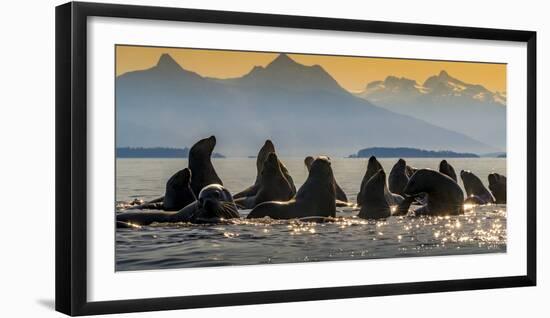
[482, 229]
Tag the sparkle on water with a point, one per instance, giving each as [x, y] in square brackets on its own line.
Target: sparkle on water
[482, 229]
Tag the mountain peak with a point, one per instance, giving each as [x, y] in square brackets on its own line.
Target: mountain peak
[444, 74]
[285, 72]
[168, 62]
[282, 60]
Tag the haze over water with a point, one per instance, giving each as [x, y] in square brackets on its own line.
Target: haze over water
[245, 242]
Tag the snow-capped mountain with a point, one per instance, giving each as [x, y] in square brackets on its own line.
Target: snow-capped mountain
[301, 108]
[447, 102]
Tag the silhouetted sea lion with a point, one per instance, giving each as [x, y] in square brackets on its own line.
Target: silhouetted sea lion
[214, 205]
[340, 194]
[201, 166]
[266, 149]
[375, 205]
[398, 179]
[316, 197]
[445, 197]
[475, 190]
[178, 191]
[497, 185]
[273, 185]
[372, 167]
[447, 169]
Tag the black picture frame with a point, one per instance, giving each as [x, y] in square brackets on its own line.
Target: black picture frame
[71, 157]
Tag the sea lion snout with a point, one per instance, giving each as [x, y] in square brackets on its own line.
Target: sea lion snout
[272, 158]
[269, 144]
[208, 203]
[204, 147]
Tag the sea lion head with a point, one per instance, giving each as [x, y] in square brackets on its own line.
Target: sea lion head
[401, 163]
[308, 161]
[422, 181]
[203, 148]
[447, 169]
[374, 164]
[471, 182]
[214, 203]
[321, 168]
[271, 165]
[495, 178]
[268, 146]
[178, 191]
[492, 178]
[400, 166]
[266, 149]
[372, 167]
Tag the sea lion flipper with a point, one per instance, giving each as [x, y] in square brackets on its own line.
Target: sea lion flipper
[475, 188]
[248, 192]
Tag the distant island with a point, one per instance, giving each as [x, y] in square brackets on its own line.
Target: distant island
[386, 152]
[493, 155]
[156, 152]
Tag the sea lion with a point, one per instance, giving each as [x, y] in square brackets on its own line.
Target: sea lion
[445, 197]
[316, 197]
[178, 191]
[372, 167]
[201, 166]
[375, 205]
[497, 185]
[447, 169]
[266, 149]
[398, 179]
[273, 185]
[340, 194]
[475, 190]
[214, 205]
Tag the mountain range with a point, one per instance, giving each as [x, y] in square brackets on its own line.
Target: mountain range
[448, 102]
[301, 108]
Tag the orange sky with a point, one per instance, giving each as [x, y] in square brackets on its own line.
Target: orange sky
[352, 73]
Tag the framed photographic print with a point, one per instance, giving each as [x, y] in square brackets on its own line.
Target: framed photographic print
[208, 158]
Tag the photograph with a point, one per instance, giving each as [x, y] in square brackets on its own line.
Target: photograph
[227, 157]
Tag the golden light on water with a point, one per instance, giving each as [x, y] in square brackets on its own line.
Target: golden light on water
[425, 235]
